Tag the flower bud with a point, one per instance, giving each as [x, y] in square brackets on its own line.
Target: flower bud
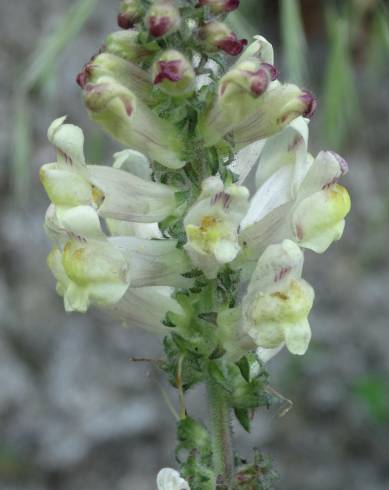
[131, 122]
[238, 90]
[217, 35]
[125, 44]
[249, 76]
[174, 74]
[275, 110]
[162, 19]
[219, 6]
[124, 72]
[130, 13]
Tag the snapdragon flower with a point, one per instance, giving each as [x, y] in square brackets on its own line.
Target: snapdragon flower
[277, 302]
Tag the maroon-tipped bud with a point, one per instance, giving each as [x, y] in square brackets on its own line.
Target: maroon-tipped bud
[174, 73]
[168, 70]
[130, 13]
[125, 21]
[232, 45]
[83, 77]
[271, 70]
[260, 79]
[219, 6]
[162, 19]
[159, 26]
[217, 35]
[343, 165]
[311, 103]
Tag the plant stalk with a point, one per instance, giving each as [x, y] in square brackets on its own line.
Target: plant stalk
[221, 435]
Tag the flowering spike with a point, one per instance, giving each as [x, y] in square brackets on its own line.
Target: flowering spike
[169, 239]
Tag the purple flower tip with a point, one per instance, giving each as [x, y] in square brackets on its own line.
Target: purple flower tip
[272, 70]
[231, 5]
[168, 70]
[125, 21]
[84, 75]
[311, 103]
[232, 45]
[342, 162]
[159, 26]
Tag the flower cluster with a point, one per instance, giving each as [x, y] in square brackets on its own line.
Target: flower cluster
[198, 228]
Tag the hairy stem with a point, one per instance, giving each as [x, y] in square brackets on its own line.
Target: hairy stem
[221, 433]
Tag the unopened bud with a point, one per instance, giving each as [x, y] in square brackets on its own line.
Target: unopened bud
[173, 73]
[125, 44]
[219, 6]
[130, 13]
[240, 95]
[216, 35]
[276, 109]
[249, 76]
[124, 115]
[162, 19]
[123, 71]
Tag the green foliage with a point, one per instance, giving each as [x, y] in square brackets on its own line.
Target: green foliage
[259, 475]
[340, 99]
[373, 391]
[293, 41]
[40, 68]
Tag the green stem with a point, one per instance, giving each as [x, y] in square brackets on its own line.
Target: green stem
[221, 434]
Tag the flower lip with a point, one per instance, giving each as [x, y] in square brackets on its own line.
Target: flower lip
[169, 70]
[231, 44]
[311, 103]
[159, 26]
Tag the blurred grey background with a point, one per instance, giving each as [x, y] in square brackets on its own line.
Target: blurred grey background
[75, 412]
